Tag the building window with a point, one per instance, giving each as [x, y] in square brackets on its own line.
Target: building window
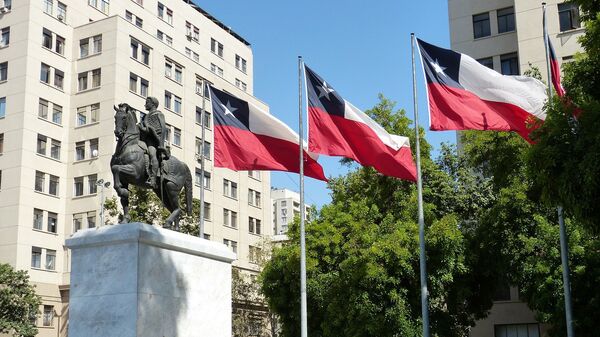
[43, 108]
[55, 149]
[206, 211]
[52, 222]
[45, 73]
[229, 218]
[517, 330]
[206, 149]
[254, 198]
[80, 151]
[168, 99]
[177, 104]
[176, 137]
[1, 143]
[481, 25]
[40, 181]
[133, 85]
[47, 6]
[506, 20]
[134, 19]
[59, 77]
[2, 107]
[509, 64]
[84, 47]
[254, 254]
[254, 225]
[488, 62]
[48, 315]
[229, 189]
[94, 147]
[92, 188]
[240, 63]
[38, 219]
[96, 77]
[254, 174]
[78, 187]
[240, 84]
[3, 71]
[4, 37]
[50, 263]
[82, 81]
[97, 40]
[56, 113]
[61, 11]
[42, 142]
[568, 16]
[8, 4]
[216, 69]
[216, 47]
[77, 222]
[207, 119]
[133, 79]
[173, 71]
[46, 39]
[91, 219]
[231, 244]
[36, 257]
[101, 5]
[140, 52]
[53, 187]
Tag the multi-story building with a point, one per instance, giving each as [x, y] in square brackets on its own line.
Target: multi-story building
[507, 35]
[286, 206]
[64, 64]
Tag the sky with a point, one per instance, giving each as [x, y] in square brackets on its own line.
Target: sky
[360, 48]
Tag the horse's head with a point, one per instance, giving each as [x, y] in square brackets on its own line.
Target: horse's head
[125, 120]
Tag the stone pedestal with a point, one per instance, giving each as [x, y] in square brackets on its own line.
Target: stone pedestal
[135, 280]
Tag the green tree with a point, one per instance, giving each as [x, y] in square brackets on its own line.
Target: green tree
[18, 303]
[363, 252]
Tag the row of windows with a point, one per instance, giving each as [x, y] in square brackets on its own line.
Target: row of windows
[101, 5]
[36, 258]
[509, 63]
[568, 15]
[42, 146]
[61, 9]
[46, 76]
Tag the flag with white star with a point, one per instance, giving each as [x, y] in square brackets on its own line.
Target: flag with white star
[247, 138]
[466, 95]
[337, 128]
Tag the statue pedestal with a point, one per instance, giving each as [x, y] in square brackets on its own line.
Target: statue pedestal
[135, 280]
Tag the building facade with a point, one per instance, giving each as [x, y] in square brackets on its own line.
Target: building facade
[63, 66]
[507, 35]
[286, 206]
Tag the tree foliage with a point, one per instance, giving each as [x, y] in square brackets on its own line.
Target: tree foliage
[363, 252]
[18, 303]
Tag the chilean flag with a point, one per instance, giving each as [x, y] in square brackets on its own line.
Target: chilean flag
[555, 70]
[337, 128]
[466, 95]
[248, 138]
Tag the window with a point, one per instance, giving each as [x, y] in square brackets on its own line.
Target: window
[2, 107]
[94, 111]
[4, 37]
[136, 47]
[42, 141]
[81, 116]
[1, 143]
[173, 71]
[47, 6]
[91, 219]
[199, 84]
[43, 108]
[254, 225]
[216, 69]
[40, 181]
[164, 37]
[133, 79]
[97, 42]
[8, 4]
[168, 99]
[48, 316]
[59, 77]
[206, 150]
[36, 257]
[133, 85]
[38, 218]
[240, 84]
[254, 198]
[206, 211]
[50, 263]
[229, 218]
[92, 188]
[61, 11]
[96, 77]
[3, 71]
[206, 179]
[231, 244]
[80, 151]
[481, 25]
[144, 87]
[84, 47]
[216, 47]
[568, 16]
[60, 45]
[177, 105]
[52, 222]
[78, 187]
[506, 20]
[509, 64]
[101, 5]
[240, 63]
[53, 188]
[134, 19]
[229, 189]
[45, 73]
[55, 149]
[517, 330]
[207, 119]
[46, 38]
[77, 222]
[254, 254]
[176, 137]
[94, 147]
[488, 62]
[254, 174]
[82, 81]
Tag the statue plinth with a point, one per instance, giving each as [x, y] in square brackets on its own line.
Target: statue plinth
[135, 280]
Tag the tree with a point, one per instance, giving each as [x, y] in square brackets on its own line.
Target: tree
[18, 303]
[363, 252]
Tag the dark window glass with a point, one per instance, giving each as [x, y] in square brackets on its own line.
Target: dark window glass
[481, 25]
[568, 16]
[488, 62]
[509, 64]
[506, 20]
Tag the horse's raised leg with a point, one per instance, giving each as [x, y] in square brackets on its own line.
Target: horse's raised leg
[121, 188]
[171, 196]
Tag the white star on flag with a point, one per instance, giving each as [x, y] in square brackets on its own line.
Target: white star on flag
[325, 90]
[229, 110]
[438, 69]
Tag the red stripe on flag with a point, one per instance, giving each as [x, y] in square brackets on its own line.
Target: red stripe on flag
[337, 136]
[555, 70]
[457, 109]
[242, 150]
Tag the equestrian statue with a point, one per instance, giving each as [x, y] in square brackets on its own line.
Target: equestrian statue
[141, 159]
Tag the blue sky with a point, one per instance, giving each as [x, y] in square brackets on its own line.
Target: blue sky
[361, 48]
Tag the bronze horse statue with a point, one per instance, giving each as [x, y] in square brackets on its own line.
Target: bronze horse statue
[129, 166]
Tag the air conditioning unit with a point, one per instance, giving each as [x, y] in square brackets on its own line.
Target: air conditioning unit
[188, 35]
[60, 17]
[3, 10]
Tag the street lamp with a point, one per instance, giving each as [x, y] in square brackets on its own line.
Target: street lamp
[102, 185]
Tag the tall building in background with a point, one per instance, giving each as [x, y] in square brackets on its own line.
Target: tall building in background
[64, 64]
[286, 206]
[507, 36]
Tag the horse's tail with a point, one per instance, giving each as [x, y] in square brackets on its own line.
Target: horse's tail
[188, 190]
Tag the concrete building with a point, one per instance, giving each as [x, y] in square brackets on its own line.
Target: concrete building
[63, 66]
[507, 35]
[286, 206]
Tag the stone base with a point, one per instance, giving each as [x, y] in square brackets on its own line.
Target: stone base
[135, 280]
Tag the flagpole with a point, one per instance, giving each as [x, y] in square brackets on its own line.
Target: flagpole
[201, 221]
[422, 260]
[564, 245]
[303, 311]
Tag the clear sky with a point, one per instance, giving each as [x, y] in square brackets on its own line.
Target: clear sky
[361, 48]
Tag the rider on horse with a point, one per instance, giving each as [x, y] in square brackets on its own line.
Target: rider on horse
[153, 131]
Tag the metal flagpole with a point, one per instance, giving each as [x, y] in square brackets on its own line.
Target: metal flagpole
[422, 260]
[201, 221]
[303, 311]
[564, 245]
